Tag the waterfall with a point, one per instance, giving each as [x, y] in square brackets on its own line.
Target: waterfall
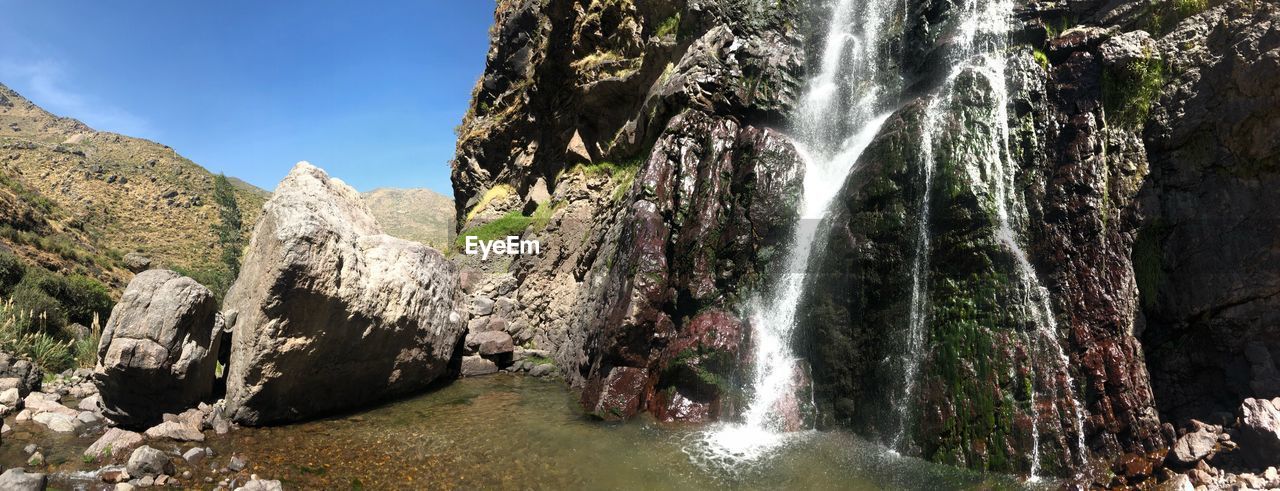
[841, 112]
[980, 50]
[843, 108]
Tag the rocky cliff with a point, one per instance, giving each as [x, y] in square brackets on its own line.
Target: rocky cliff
[639, 132]
[1078, 228]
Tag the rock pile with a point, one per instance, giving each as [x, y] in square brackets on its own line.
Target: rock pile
[17, 373]
[496, 334]
[1242, 452]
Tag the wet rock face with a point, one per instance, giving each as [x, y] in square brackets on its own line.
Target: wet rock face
[159, 349]
[328, 305]
[700, 369]
[1084, 195]
[708, 209]
[1209, 268]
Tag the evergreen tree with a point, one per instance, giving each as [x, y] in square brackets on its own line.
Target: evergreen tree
[230, 228]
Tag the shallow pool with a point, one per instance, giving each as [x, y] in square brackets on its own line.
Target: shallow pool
[516, 432]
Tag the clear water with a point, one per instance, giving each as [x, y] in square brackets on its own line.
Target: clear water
[511, 432]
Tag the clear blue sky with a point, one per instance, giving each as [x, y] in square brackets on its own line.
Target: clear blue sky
[369, 92]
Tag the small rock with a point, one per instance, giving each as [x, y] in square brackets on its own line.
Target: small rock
[90, 403]
[1193, 446]
[124, 486]
[505, 307]
[35, 460]
[1200, 477]
[162, 479]
[474, 365]
[540, 370]
[1259, 437]
[116, 441]
[88, 417]
[491, 343]
[1180, 482]
[30, 448]
[236, 464]
[113, 474]
[10, 396]
[478, 324]
[18, 479]
[176, 430]
[146, 460]
[194, 456]
[482, 306]
[146, 482]
[136, 262]
[1253, 481]
[256, 484]
[23, 415]
[64, 424]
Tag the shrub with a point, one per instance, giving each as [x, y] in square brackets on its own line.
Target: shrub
[19, 334]
[85, 299]
[1128, 93]
[669, 26]
[216, 278]
[42, 311]
[11, 272]
[79, 298]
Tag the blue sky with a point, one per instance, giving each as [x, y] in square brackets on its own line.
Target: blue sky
[247, 88]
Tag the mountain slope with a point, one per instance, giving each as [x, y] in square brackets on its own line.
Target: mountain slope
[417, 214]
[110, 193]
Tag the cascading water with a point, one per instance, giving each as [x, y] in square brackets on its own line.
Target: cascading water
[841, 112]
[843, 109]
[980, 50]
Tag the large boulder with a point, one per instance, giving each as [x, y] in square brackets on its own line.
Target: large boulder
[332, 314]
[159, 349]
[1260, 433]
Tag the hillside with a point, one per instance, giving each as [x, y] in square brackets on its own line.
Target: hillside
[105, 195]
[416, 214]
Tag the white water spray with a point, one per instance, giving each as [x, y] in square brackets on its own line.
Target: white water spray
[841, 112]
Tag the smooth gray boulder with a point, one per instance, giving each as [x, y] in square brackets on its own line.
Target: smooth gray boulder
[18, 479]
[159, 349]
[332, 314]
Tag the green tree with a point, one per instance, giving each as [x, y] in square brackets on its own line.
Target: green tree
[230, 227]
